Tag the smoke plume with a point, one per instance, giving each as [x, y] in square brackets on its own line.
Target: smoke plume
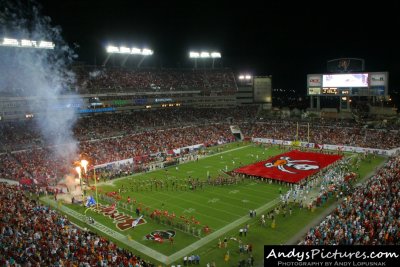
[43, 75]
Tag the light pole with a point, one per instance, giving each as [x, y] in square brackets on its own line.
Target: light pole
[204, 55]
[79, 171]
[195, 56]
[84, 164]
[215, 55]
[95, 184]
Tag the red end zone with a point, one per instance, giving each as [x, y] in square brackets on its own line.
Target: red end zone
[290, 167]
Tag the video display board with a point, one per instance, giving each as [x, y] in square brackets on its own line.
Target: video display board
[348, 84]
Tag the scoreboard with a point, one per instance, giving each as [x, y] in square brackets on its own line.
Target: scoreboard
[348, 84]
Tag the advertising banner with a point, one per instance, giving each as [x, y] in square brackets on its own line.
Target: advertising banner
[314, 80]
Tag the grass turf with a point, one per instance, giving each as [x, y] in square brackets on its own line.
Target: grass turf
[215, 206]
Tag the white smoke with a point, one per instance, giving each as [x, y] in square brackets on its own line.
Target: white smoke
[73, 187]
[94, 74]
[42, 74]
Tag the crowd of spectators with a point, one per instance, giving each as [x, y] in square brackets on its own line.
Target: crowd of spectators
[32, 234]
[368, 216]
[146, 143]
[19, 135]
[10, 168]
[113, 137]
[43, 165]
[322, 134]
[26, 135]
[101, 79]
[107, 125]
[39, 162]
[95, 80]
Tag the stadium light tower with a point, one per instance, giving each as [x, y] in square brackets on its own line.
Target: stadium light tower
[215, 55]
[204, 55]
[25, 43]
[144, 52]
[245, 79]
[195, 56]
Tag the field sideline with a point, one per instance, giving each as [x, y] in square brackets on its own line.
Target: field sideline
[223, 208]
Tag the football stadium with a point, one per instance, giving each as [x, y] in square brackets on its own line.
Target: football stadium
[129, 164]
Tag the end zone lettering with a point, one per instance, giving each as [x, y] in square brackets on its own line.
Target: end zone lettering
[123, 221]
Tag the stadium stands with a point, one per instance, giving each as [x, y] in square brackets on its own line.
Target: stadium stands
[34, 235]
[366, 217]
[112, 137]
[325, 134]
[95, 80]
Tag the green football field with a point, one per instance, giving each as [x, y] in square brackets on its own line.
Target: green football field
[223, 208]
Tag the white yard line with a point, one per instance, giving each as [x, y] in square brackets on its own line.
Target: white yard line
[109, 232]
[198, 244]
[151, 252]
[136, 174]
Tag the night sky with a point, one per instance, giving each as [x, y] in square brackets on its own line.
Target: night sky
[285, 39]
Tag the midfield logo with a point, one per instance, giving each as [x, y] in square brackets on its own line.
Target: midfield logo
[283, 162]
[160, 234]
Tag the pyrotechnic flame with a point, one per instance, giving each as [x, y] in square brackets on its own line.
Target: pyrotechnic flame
[78, 170]
[84, 164]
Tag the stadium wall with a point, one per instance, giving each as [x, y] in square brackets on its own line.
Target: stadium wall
[389, 152]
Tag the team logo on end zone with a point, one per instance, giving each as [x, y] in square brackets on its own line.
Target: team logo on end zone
[160, 234]
[283, 162]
